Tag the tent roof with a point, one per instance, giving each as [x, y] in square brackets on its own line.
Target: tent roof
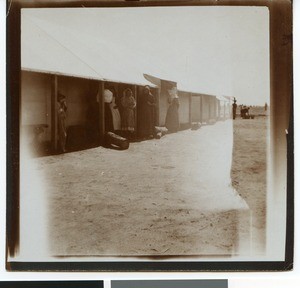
[45, 48]
[203, 49]
[52, 45]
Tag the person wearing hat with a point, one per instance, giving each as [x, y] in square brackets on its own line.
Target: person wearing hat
[234, 106]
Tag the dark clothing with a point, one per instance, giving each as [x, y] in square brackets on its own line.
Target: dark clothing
[172, 118]
[148, 116]
[234, 106]
[62, 131]
[92, 123]
[245, 112]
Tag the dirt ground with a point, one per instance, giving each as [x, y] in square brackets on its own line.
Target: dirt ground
[164, 197]
[249, 172]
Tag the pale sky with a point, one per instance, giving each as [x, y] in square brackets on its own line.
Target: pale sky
[213, 50]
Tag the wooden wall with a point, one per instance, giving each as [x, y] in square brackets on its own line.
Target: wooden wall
[196, 108]
[36, 101]
[77, 91]
[184, 108]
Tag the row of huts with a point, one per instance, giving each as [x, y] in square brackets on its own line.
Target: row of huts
[39, 93]
[57, 61]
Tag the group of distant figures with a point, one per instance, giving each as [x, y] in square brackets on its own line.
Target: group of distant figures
[120, 115]
[244, 110]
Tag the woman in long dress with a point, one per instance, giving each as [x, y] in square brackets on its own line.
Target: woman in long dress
[149, 119]
[108, 121]
[62, 115]
[172, 118]
[116, 117]
[112, 114]
[128, 104]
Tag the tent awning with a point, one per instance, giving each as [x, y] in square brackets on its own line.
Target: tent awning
[46, 48]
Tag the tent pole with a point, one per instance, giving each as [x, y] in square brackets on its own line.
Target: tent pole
[201, 109]
[54, 91]
[135, 111]
[190, 108]
[101, 112]
[158, 106]
[215, 110]
[209, 109]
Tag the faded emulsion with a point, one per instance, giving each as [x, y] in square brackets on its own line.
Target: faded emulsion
[147, 148]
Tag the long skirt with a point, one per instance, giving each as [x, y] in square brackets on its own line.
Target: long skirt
[172, 118]
[62, 131]
[128, 120]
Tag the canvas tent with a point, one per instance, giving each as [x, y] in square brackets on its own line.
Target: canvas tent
[57, 58]
[51, 66]
[194, 106]
[224, 107]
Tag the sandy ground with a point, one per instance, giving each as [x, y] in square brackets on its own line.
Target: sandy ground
[164, 197]
[249, 172]
[160, 197]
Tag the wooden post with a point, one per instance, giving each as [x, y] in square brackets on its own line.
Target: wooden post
[209, 109]
[220, 111]
[135, 110]
[190, 108]
[54, 92]
[215, 112]
[101, 112]
[215, 109]
[157, 98]
[201, 109]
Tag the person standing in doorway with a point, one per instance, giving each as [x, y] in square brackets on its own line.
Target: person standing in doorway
[116, 117]
[112, 115]
[62, 115]
[128, 104]
[172, 118]
[149, 117]
[108, 121]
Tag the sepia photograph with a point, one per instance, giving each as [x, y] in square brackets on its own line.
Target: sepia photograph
[150, 134]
